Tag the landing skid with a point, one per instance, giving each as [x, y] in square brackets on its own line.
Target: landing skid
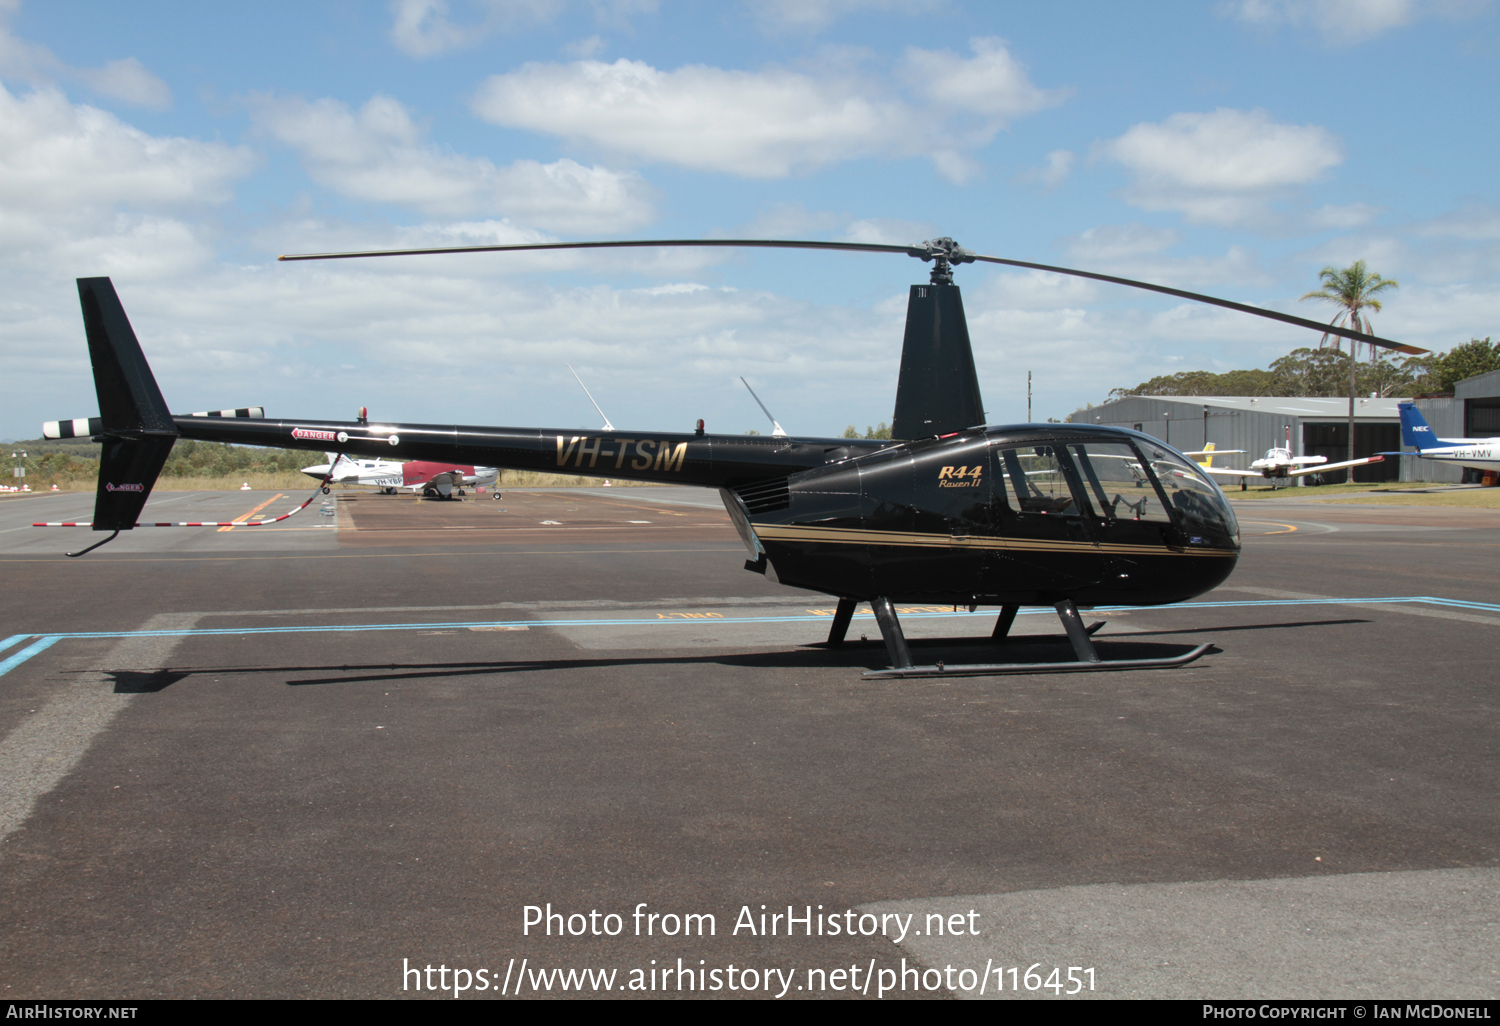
[1078, 635]
[999, 669]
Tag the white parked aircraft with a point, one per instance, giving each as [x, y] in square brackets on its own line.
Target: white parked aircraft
[435, 480]
[1279, 466]
[383, 474]
[1478, 453]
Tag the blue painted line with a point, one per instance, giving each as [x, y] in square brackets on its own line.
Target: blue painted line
[13, 639]
[26, 653]
[679, 621]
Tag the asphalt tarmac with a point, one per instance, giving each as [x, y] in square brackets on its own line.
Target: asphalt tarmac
[314, 758]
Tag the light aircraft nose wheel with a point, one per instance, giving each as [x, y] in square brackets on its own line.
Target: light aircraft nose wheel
[326, 489]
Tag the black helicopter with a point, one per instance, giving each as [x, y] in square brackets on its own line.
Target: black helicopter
[949, 511]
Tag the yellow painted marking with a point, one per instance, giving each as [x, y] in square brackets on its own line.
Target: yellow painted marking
[1273, 523]
[899, 609]
[254, 511]
[690, 616]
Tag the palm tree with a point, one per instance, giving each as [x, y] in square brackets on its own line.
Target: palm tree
[1353, 290]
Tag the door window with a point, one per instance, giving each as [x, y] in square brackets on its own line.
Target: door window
[1037, 479]
[1118, 483]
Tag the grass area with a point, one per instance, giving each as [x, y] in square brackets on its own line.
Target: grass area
[1473, 498]
[1392, 493]
[284, 481]
[1317, 491]
[539, 479]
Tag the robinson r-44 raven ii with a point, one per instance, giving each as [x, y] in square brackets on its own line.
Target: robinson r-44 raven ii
[948, 511]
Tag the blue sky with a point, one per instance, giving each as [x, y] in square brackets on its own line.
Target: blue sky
[1229, 147]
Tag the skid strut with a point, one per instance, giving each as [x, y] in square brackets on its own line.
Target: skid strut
[890, 630]
[1079, 636]
[841, 617]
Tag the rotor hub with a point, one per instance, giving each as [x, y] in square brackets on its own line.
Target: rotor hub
[943, 253]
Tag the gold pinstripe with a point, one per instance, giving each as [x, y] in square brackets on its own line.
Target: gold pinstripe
[905, 539]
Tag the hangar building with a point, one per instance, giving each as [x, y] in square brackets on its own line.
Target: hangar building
[1472, 412]
[1319, 427]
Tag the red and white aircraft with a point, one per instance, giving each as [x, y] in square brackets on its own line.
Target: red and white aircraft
[434, 480]
[1279, 466]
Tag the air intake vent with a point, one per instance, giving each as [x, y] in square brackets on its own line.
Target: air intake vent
[765, 496]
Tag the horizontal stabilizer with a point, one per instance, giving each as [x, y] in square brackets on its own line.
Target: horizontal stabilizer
[79, 427]
[253, 412]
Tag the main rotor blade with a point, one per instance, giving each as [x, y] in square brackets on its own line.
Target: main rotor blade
[867, 247]
[956, 255]
[1275, 315]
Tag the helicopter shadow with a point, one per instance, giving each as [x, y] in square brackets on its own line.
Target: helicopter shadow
[863, 654]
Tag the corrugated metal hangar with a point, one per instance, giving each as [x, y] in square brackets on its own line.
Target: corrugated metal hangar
[1319, 427]
[1472, 412]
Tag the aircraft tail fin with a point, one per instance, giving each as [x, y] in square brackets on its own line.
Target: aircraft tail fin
[136, 427]
[938, 390]
[1415, 431]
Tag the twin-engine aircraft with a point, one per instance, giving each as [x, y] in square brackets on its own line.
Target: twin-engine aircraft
[1475, 453]
[948, 511]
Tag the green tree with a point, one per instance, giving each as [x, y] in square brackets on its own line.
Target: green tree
[1440, 372]
[1353, 291]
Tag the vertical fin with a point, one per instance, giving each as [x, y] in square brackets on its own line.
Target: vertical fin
[137, 427]
[938, 391]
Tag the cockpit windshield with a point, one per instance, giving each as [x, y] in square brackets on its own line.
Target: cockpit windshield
[1204, 510]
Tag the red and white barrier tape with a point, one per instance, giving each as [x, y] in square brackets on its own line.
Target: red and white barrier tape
[218, 523]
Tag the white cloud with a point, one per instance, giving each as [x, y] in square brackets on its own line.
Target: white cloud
[593, 46]
[125, 79]
[1345, 22]
[421, 28]
[1114, 241]
[1138, 251]
[758, 124]
[790, 221]
[1472, 221]
[58, 155]
[888, 231]
[1052, 174]
[1349, 215]
[1221, 168]
[794, 221]
[992, 83]
[1385, 255]
[377, 154]
[773, 122]
[83, 193]
[783, 16]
